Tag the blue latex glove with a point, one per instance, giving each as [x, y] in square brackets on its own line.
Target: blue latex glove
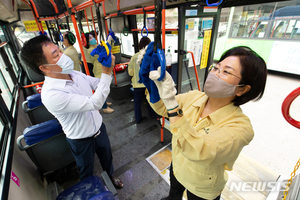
[103, 58]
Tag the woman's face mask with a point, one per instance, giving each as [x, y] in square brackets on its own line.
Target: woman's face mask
[217, 88]
[66, 64]
[93, 41]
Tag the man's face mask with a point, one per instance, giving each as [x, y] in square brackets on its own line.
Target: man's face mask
[217, 88]
[66, 64]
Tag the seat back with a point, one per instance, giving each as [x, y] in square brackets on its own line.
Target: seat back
[36, 110]
[33, 76]
[46, 146]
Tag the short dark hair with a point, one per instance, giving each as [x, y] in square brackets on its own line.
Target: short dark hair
[32, 53]
[67, 37]
[254, 73]
[144, 42]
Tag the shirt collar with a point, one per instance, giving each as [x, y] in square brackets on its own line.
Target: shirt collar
[218, 114]
[60, 83]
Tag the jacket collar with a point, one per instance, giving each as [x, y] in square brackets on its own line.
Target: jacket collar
[218, 114]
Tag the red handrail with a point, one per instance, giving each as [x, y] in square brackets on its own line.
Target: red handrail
[94, 25]
[118, 5]
[31, 85]
[131, 12]
[195, 68]
[285, 108]
[104, 13]
[79, 39]
[35, 14]
[54, 5]
[87, 21]
[73, 10]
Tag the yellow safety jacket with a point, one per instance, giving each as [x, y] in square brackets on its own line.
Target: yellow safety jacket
[202, 150]
[133, 70]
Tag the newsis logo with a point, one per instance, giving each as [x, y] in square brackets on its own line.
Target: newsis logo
[257, 186]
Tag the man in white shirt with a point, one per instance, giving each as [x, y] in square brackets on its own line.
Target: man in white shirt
[69, 96]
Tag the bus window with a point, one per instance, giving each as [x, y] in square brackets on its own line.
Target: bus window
[6, 83]
[127, 42]
[241, 29]
[260, 30]
[296, 31]
[283, 29]
[223, 24]
[21, 33]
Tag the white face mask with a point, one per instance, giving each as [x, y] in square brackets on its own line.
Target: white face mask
[66, 64]
[217, 88]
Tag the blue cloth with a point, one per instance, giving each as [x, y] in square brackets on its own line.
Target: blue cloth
[103, 58]
[112, 34]
[151, 61]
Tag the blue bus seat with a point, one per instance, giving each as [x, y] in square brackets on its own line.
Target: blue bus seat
[46, 146]
[91, 188]
[36, 110]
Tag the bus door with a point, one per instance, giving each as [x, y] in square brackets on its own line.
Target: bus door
[197, 34]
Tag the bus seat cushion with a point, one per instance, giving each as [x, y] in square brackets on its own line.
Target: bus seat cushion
[42, 131]
[34, 101]
[85, 189]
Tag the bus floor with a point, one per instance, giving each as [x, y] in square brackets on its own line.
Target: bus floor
[131, 145]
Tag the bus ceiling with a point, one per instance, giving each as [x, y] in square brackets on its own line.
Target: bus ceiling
[10, 8]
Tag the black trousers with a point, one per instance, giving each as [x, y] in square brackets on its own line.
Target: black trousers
[84, 152]
[177, 190]
[139, 95]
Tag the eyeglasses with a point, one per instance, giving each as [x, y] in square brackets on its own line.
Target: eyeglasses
[223, 71]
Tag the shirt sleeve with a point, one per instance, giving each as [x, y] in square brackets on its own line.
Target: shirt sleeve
[60, 102]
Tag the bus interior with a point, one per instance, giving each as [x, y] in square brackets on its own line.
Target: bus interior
[36, 162]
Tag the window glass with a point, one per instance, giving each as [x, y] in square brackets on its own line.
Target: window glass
[21, 33]
[296, 30]
[6, 84]
[126, 43]
[253, 12]
[171, 19]
[2, 36]
[1, 127]
[223, 24]
[285, 29]
[241, 29]
[12, 61]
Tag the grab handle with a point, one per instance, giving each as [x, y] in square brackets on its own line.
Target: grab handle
[285, 108]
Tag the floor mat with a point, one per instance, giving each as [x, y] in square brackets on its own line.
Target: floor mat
[161, 161]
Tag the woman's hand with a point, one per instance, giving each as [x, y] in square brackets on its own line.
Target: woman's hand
[166, 88]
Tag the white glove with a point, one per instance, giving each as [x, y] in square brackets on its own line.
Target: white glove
[166, 88]
[109, 39]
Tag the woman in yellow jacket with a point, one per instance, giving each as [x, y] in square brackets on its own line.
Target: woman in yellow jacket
[138, 88]
[69, 50]
[209, 128]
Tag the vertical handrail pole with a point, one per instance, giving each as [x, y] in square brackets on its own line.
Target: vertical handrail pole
[87, 21]
[78, 38]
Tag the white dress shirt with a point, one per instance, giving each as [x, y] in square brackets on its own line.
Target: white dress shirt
[73, 103]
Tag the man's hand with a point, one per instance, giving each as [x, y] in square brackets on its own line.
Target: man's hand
[108, 70]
